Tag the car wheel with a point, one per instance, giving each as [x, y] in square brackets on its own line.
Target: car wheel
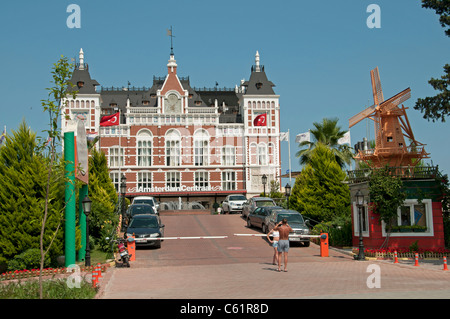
[306, 244]
[264, 230]
[249, 224]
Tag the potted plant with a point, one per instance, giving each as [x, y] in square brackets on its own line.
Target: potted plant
[418, 229]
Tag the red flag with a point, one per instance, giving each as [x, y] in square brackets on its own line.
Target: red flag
[110, 120]
[260, 120]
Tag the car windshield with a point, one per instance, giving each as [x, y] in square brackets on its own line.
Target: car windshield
[291, 218]
[144, 223]
[238, 197]
[263, 203]
[141, 209]
[143, 201]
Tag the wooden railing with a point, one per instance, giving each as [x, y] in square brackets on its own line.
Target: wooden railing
[405, 172]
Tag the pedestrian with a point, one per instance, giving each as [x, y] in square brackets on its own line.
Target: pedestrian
[274, 242]
[283, 244]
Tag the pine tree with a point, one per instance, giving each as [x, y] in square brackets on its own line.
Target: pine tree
[23, 179]
[318, 192]
[103, 195]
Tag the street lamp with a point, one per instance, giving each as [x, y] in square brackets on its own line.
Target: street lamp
[123, 190]
[287, 189]
[264, 182]
[360, 205]
[87, 210]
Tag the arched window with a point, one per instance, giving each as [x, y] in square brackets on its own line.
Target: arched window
[173, 148]
[144, 140]
[201, 147]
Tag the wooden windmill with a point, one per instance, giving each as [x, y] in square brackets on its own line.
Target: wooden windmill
[391, 128]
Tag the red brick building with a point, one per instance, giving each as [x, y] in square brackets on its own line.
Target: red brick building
[174, 140]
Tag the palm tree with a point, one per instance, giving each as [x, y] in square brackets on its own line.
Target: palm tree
[327, 133]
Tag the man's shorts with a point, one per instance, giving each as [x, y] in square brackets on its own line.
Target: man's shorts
[283, 246]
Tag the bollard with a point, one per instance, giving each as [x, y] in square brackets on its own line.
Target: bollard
[94, 278]
[445, 263]
[417, 260]
[131, 246]
[395, 257]
[324, 245]
[99, 271]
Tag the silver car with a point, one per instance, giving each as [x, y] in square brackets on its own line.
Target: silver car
[233, 203]
[256, 202]
[294, 219]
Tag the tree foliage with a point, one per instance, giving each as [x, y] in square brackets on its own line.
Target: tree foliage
[103, 218]
[23, 183]
[438, 107]
[386, 194]
[327, 133]
[318, 192]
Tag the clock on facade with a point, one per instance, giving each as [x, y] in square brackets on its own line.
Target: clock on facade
[173, 104]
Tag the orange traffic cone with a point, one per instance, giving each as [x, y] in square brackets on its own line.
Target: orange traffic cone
[395, 257]
[445, 263]
[417, 260]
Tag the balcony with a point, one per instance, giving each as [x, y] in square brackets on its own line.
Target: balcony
[404, 172]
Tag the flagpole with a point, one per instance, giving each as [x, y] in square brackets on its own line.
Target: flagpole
[289, 152]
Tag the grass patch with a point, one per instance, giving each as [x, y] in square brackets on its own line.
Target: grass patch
[52, 289]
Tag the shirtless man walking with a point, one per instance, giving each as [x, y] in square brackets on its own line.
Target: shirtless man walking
[283, 244]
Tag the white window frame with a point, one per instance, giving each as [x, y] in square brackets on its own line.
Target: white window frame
[429, 218]
[173, 179]
[365, 216]
[115, 156]
[228, 155]
[229, 182]
[144, 179]
[173, 148]
[201, 179]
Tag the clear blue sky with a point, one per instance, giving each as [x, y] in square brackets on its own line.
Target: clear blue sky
[318, 53]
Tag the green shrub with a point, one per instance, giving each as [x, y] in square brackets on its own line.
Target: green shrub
[29, 259]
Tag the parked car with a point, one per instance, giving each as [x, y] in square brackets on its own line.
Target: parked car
[144, 227]
[139, 209]
[147, 200]
[233, 203]
[255, 202]
[295, 220]
[257, 218]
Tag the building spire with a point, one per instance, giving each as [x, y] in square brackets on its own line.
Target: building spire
[258, 69]
[81, 58]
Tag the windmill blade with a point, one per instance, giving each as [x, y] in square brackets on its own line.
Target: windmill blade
[396, 100]
[361, 116]
[376, 86]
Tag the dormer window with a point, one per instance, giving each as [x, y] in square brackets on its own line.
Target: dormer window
[113, 104]
[80, 84]
[145, 102]
[259, 85]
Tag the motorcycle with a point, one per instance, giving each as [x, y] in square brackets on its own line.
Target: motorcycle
[123, 253]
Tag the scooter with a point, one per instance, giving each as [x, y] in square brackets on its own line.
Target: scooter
[123, 253]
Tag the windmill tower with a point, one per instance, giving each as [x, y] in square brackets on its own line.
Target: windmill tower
[391, 128]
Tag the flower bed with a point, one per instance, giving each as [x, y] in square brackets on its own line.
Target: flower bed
[21, 274]
[404, 253]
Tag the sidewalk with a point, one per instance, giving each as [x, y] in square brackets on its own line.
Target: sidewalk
[320, 279]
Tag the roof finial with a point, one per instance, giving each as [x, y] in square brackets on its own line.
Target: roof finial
[257, 62]
[170, 34]
[81, 56]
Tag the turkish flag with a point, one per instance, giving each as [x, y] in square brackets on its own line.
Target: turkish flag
[110, 120]
[260, 120]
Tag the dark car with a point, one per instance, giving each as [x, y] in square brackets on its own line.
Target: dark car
[139, 209]
[145, 228]
[294, 219]
[257, 218]
[255, 202]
